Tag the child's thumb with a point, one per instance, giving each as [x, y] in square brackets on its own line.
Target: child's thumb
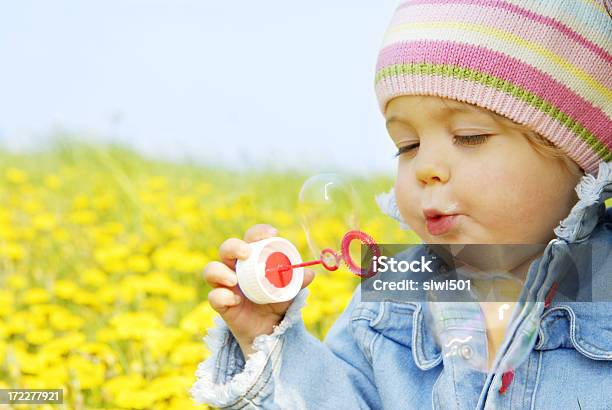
[308, 277]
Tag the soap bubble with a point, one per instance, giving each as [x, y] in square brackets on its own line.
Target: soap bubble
[328, 208]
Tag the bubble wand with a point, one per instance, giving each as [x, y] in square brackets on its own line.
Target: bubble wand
[274, 271]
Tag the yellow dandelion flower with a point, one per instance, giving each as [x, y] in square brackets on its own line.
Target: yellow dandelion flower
[135, 325]
[64, 344]
[83, 217]
[164, 387]
[107, 295]
[60, 234]
[157, 305]
[35, 296]
[50, 357]
[157, 183]
[13, 251]
[139, 263]
[44, 309]
[222, 214]
[183, 403]
[311, 314]
[3, 347]
[39, 336]
[44, 222]
[16, 324]
[80, 202]
[129, 287]
[188, 353]
[180, 293]
[157, 283]
[52, 181]
[33, 382]
[28, 362]
[87, 298]
[15, 176]
[105, 202]
[66, 289]
[93, 277]
[112, 258]
[64, 320]
[160, 342]
[107, 335]
[113, 228]
[135, 399]
[7, 301]
[100, 350]
[186, 203]
[191, 262]
[54, 376]
[26, 233]
[123, 382]
[165, 258]
[87, 373]
[199, 319]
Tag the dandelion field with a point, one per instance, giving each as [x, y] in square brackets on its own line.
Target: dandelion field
[101, 259]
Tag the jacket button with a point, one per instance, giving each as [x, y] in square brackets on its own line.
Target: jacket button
[466, 352]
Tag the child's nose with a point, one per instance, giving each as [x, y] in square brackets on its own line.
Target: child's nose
[430, 166]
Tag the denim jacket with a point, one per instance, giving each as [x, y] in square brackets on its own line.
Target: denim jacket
[383, 354]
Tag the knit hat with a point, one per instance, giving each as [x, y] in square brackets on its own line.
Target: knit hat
[546, 64]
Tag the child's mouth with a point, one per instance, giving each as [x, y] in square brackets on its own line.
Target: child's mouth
[441, 224]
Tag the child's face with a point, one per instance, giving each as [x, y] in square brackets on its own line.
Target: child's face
[501, 189]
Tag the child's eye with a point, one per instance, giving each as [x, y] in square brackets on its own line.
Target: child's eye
[458, 139]
[471, 139]
[406, 148]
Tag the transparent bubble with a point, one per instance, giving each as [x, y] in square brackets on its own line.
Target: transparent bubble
[461, 344]
[459, 331]
[328, 207]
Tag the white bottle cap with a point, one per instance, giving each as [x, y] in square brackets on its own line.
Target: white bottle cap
[275, 286]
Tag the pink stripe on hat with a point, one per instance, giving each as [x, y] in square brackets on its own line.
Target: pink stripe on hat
[501, 66]
[524, 62]
[575, 52]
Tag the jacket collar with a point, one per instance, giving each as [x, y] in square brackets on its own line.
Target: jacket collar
[588, 212]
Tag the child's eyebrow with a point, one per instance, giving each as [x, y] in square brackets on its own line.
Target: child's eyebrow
[443, 112]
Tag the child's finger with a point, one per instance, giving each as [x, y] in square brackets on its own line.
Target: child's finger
[221, 299]
[232, 249]
[218, 274]
[308, 277]
[260, 231]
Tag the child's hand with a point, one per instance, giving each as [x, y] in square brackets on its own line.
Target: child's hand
[245, 319]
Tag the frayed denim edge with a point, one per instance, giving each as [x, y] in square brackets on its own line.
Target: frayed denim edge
[205, 391]
[589, 191]
[387, 203]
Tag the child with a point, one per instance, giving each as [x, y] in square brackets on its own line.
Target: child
[501, 112]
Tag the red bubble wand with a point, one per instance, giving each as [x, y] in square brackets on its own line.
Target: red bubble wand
[279, 269]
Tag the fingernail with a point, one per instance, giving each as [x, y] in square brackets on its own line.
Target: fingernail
[231, 281]
[236, 299]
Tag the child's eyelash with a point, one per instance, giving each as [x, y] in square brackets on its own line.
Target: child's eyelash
[465, 139]
[405, 148]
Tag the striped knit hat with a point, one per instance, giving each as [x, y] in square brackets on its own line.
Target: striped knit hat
[546, 64]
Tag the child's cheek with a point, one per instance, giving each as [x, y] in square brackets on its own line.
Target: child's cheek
[515, 199]
[500, 196]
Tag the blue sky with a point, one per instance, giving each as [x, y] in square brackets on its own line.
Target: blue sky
[239, 83]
